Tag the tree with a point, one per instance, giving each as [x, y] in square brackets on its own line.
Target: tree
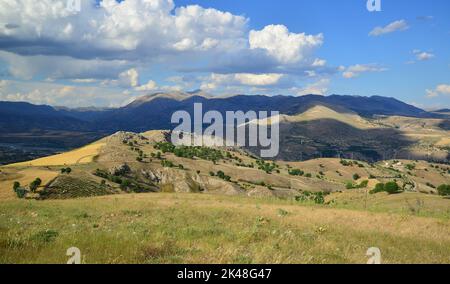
[391, 187]
[35, 184]
[378, 188]
[444, 190]
[16, 185]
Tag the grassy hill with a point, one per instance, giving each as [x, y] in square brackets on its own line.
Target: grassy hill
[136, 198]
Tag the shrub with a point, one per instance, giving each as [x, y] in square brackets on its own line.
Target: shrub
[16, 185]
[410, 166]
[308, 175]
[223, 176]
[356, 177]
[125, 184]
[296, 172]
[66, 170]
[444, 190]
[363, 184]
[316, 197]
[378, 188]
[346, 163]
[20, 192]
[35, 184]
[167, 164]
[391, 187]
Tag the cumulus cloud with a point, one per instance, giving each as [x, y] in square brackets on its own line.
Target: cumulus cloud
[109, 42]
[112, 29]
[149, 86]
[286, 47]
[129, 78]
[258, 79]
[442, 89]
[356, 70]
[396, 26]
[215, 81]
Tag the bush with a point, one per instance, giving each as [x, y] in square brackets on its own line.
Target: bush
[410, 167]
[363, 184]
[356, 177]
[16, 185]
[35, 184]
[378, 188]
[66, 170]
[444, 190]
[392, 187]
[20, 192]
[223, 176]
[296, 172]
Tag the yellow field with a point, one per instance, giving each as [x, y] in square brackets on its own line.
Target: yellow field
[25, 177]
[79, 156]
[444, 142]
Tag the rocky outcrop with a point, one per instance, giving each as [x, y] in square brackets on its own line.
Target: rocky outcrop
[120, 170]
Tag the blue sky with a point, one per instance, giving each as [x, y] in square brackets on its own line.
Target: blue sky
[225, 47]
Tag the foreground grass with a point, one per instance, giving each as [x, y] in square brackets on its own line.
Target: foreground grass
[194, 228]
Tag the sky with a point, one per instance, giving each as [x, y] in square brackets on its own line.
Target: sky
[107, 53]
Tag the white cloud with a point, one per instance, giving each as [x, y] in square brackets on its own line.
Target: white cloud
[286, 47]
[396, 26]
[422, 55]
[61, 95]
[215, 81]
[129, 78]
[316, 88]
[258, 79]
[356, 70]
[113, 29]
[442, 89]
[150, 86]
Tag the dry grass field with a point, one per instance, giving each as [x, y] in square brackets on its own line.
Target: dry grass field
[79, 156]
[193, 228]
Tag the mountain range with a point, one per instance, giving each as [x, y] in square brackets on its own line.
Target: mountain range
[365, 128]
[154, 111]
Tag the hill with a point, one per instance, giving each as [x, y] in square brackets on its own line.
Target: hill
[136, 198]
[312, 126]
